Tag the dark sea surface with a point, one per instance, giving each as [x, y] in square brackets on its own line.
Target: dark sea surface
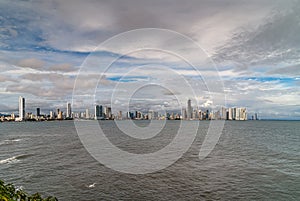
[253, 160]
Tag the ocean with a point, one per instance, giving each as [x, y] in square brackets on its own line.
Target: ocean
[253, 160]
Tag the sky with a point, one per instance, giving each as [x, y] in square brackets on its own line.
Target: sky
[49, 49]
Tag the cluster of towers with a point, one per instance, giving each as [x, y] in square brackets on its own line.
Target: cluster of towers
[105, 113]
[235, 113]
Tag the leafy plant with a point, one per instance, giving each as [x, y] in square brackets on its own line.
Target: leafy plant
[8, 192]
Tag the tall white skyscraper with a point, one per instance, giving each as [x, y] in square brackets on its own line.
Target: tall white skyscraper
[87, 114]
[21, 108]
[230, 113]
[51, 115]
[237, 114]
[69, 110]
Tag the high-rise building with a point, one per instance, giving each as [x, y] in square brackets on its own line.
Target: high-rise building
[12, 116]
[200, 115]
[129, 115]
[230, 113]
[235, 113]
[52, 115]
[223, 113]
[60, 115]
[138, 115]
[155, 115]
[69, 111]
[120, 116]
[217, 115]
[183, 113]
[21, 108]
[98, 112]
[189, 109]
[107, 112]
[38, 112]
[172, 116]
[207, 115]
[195, 114]
[150, 114]
[243, 114]
[87, 114]
[57, 112]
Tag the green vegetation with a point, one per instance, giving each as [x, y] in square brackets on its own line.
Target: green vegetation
[9, 193]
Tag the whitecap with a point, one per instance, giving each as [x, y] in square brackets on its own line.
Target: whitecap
[13, 140]
[10, 141]
[91, 185]
[9, 160]
[14, 158]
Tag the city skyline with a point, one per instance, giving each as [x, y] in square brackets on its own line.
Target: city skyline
[101, 112]
[43, 48]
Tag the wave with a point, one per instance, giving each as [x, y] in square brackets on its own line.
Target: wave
[14, 159]
[9, 160]
[10, 141]
[13, 140]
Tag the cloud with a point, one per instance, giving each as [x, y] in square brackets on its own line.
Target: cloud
[62, 68]
[272, 42]
[254, 44]
[42, 77]
[293, 70]
[7, 78]
[31, 63]
[88, 23]
[36, 90]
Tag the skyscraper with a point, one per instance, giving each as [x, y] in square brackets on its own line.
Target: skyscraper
[52, 115]
[243, 114]
[69, 110]
[120, 115]
[234, 112]
[107, 112]
[60, 115]
[38, 112]
[230, 113]
[237, 114]
[87, 114]
[21, 108]
[57, 112]
[183, 113]
[150, 114]
[223, 113]
[189, 109]
[98, 112]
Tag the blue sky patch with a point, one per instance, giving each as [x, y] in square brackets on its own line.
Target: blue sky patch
[127, 78]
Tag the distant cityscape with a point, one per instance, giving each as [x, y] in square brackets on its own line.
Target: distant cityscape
[105, 113]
